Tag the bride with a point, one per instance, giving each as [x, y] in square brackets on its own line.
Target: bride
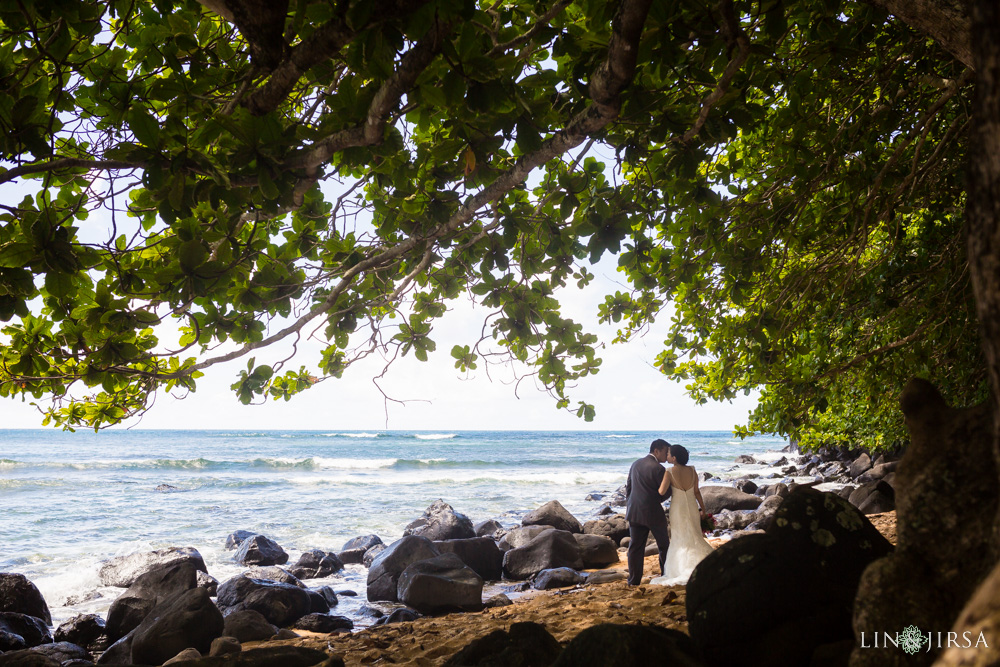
[687, 543]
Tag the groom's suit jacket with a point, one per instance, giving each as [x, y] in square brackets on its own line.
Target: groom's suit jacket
[643, 501]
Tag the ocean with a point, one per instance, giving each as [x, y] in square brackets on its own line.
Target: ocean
[69, 501]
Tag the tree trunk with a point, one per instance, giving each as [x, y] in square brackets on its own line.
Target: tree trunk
[983, 209]
[946, 21]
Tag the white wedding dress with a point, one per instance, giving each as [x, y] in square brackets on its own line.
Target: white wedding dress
[687, 543]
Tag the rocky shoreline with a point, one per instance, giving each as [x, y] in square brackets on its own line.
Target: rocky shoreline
[167, 614]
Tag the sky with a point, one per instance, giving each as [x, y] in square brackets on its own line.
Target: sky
[628, 392]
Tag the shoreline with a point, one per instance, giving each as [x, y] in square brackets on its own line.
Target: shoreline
[565, 612]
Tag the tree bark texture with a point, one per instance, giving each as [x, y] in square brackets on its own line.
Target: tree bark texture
[946, 21]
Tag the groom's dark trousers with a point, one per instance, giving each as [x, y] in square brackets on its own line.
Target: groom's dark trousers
[644, 513]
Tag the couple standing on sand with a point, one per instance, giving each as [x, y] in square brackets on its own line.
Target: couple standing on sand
[649, 485]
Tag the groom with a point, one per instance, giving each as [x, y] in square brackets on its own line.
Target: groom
[644, 509]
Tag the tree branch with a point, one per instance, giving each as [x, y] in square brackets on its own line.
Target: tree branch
[386, 99]
[607, 82]
[66, 163]
[735, 37]
[327, 40]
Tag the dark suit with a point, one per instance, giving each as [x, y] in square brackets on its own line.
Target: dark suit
[644, 513]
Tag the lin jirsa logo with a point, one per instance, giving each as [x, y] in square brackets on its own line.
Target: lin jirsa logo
[912, 640]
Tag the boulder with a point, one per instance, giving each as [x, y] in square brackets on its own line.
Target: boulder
[490, 528]
[745, 459]
[879, 472]
[274, 573]
[385, 570]
[882, 499]
[27, 658]
[880, 493]
[401, 615]
[372, 554]
[610, 645]
[187, 656]
[558, 577]
[208, 582]
[498, 600]
[979, 619]
[331, 596]
[518, 537]
[317, 602]
[860, 465]
[62, 652]
[718, 498]
[946, 545]
[119, 653]
[236, 539]
[441, 522]
[352, 556]
[728, 520]
[18, 631]
[145, 593]
[815, 537]
[323, 623]
[225, 645]
[247, 625]
[550, 549]
[19, 595]
[186, 620]
[273, 656]
[596, 551]
[122, 571]
[439, 584]
[523, 645]
[605, 576]
[614, 526]
[83, 630]
[746, 486]
[553, 514]
[479, 553]
[364, 542]
[259, 550]
[281, 604]
[618, 498]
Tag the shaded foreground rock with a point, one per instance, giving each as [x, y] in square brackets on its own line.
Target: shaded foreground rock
[815, 537]
[610, 645]
[524, 645]
[596, 551]
[946, 546]
[269, 656]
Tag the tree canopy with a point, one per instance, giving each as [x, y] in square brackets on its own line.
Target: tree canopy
[782, 178]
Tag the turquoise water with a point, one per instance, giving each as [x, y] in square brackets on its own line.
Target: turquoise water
[71, 500]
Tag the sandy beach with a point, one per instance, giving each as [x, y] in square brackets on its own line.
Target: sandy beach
[432, 640]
